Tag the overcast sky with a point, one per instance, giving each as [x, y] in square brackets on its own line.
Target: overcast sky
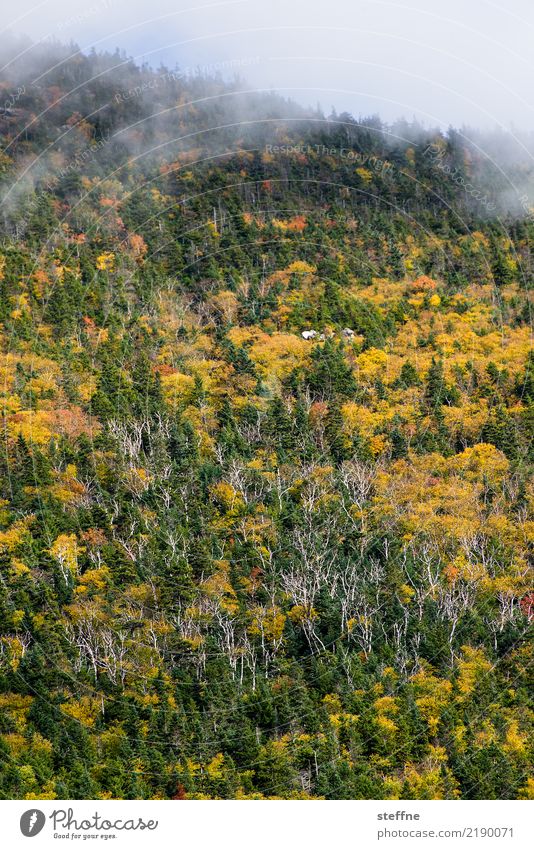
[463, 61]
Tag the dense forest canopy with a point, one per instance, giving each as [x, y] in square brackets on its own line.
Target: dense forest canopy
[267, 407]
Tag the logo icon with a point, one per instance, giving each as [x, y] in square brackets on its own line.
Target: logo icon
[32, 822]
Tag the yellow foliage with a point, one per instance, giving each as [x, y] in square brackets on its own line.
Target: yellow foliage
[427, 781]
[296, 224]
[386, 725]
[377, 445]
[215, 768]
[96, 579]
[10, 539]
[19, 568]
[371, 364]
[515, 741]
[15, 650]
[65, 550]
[405, 593]
[301, 267]
[105, 261]
[177, 387]
[267, 622]
[332, 703]
[85, 710]
[225, 494]
[218, 586]
[275, 355]
[17, 617]
[32, 426]
[432, 696]
[392, 787]
[485, 735]
[15, 742]
[365, 174]
[48, 791]
[481, 459]
[359, 418]
[468, 419]
[527, 792]
[437, 495]
[386, 705]
[300, 613]
[68, 489]
[226, 304]
[471, 668]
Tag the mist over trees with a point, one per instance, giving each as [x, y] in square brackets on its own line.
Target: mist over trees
[267, 406]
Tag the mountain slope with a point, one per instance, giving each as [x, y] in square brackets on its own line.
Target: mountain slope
[267, 441]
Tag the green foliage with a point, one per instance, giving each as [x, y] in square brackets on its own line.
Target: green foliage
[266, 461]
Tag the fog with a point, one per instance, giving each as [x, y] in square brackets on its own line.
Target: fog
[443, 64]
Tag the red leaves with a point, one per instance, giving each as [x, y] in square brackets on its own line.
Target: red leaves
[527, 605]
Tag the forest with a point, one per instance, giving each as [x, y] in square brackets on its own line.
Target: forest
[267, 412]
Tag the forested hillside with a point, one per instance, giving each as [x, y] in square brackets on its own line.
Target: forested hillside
[267, 408]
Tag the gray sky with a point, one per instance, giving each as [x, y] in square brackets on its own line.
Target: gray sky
[464, 61]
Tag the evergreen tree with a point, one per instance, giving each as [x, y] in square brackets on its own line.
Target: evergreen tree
[330, 375]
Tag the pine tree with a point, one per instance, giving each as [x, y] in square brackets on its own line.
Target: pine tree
[437, 391]
[279, 426]
[330, 375]
[500, 431]
[335, 437]
[399, 446]
[408, 376]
